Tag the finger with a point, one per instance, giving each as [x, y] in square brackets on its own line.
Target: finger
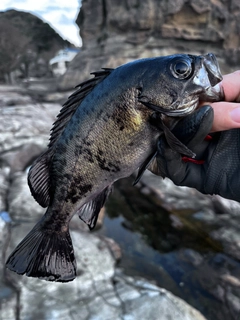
[226, 115]
[231, 86]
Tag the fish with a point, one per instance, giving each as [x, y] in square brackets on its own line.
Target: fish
[107, 129]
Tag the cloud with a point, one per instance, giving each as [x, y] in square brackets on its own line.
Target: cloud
[55, 12]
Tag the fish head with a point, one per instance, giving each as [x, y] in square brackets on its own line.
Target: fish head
[179, 82]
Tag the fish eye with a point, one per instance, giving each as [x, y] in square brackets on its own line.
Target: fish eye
[181, 69]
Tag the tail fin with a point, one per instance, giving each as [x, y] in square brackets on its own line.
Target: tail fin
[44, 254]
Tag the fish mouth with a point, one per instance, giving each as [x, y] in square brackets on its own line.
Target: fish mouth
[207, 80]
[182, 111]
[177, 110]
[208, 77]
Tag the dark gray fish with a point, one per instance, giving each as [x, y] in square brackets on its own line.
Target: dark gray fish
[105, 131]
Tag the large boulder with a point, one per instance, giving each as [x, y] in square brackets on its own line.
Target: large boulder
[115, 32]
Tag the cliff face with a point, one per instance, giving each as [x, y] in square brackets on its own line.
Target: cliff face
[115, 32]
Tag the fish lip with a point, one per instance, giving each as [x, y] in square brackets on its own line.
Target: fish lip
[212, 91]
[213, 69]
[212, 94]
[173, 112]
[182, 112]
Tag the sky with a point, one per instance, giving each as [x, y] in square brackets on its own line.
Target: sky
[60, 14]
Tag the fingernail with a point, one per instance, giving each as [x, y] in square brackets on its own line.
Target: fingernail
[235, 115]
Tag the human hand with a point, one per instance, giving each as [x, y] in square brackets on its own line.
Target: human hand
[216, 169]
[227, 113]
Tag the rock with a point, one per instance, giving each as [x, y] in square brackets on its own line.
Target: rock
[24, 133]
[4, 185]
[226, 275]
[19, 159]
[100, 290]
[219, 213]
[114, 248]
[21, 205]
[16, 96]
[16, 133]
[151, 302]
[5, 221]
[228, 279]
[34, 43]
[230, 239]
[192, 256]
[7, 303]
[174, 198]
[207, 216]
[124, 31]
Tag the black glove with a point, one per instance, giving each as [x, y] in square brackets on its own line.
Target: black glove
[217, 164]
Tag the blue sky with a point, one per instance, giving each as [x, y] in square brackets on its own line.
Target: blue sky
[60, 14]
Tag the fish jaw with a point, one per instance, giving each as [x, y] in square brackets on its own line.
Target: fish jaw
[213, 91]
[212, 66]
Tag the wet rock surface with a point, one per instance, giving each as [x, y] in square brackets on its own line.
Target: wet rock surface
[101, 289]
[181, 239]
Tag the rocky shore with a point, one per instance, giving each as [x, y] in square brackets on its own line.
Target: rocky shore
[101, 290]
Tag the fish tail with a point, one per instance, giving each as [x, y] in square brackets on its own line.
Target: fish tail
[44, 254]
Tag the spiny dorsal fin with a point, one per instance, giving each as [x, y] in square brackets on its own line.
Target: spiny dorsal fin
[39, 176]
[73, 103]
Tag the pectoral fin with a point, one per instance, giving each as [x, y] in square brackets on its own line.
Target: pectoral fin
[39, 179]
[172, 140]
[90, 211]
[144, 167]
[176, 144]
[155, 168]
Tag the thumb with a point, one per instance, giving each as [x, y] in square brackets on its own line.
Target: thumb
[226, 116]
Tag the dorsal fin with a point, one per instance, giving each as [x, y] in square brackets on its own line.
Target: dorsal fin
[73, 103]
[39, 176]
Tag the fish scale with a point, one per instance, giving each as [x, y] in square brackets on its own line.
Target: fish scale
[107, 129]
